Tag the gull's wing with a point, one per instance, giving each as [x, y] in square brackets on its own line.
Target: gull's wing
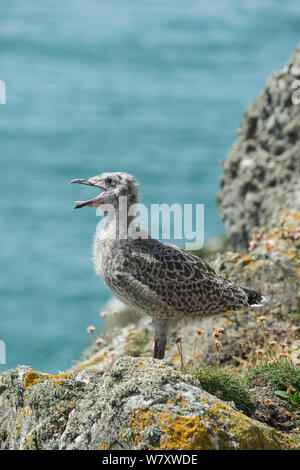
[160, 276]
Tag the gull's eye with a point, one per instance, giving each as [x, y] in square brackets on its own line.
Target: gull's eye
[108, 181]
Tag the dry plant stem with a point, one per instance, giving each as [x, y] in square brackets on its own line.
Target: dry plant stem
[194, 353]
[217, 354]
[218, 361]
[179, 347]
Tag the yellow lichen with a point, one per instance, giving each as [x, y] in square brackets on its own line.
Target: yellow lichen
[98, 360]
[181, 432]
[57, 382]
[254, 266]
[34, 377]
[245, 259]
[178, 432]
[235, 258]
[26, 446]
[171, 400]
[182, 401]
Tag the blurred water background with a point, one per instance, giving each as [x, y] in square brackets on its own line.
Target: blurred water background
[155, 88]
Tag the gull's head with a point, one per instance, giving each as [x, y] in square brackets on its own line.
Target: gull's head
[112, 186]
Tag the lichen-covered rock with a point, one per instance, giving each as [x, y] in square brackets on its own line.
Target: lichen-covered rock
[138, 404]
[262, 171]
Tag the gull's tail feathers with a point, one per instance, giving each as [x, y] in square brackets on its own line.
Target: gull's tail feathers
[255, 299]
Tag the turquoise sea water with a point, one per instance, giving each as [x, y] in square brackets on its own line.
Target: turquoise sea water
[155, 88]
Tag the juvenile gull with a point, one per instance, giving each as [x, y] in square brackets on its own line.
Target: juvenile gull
[167, 283]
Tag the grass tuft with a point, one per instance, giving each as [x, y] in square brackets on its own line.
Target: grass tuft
[224, 385]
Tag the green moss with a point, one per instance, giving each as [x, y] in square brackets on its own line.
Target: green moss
[225, 385]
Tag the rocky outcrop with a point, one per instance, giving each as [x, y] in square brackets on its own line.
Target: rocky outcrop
[262, 171]
[138, 404]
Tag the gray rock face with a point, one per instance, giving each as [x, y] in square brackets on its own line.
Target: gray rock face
[262, 171]
[141, 403]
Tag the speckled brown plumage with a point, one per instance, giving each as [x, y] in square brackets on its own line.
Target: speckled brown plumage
[157, 278]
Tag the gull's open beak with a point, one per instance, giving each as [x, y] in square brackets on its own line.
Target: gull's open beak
[83, 181]
[90, 202]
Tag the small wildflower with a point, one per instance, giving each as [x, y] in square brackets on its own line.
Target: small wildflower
[268, 402]
[114, 312]
[291, 390]
[256, 236]
[261, 319]
[272, 343]
[178, 340]
[199, 332]
[217, 333]
[262, 230]
[103, 314]
[283, 345]
[269, 245]
[266, 334]
[99, 341]
[90, 329]
[282, 354]
[272, 362]
[259, 352]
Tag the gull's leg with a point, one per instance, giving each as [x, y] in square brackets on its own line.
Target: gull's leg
[160, 340]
